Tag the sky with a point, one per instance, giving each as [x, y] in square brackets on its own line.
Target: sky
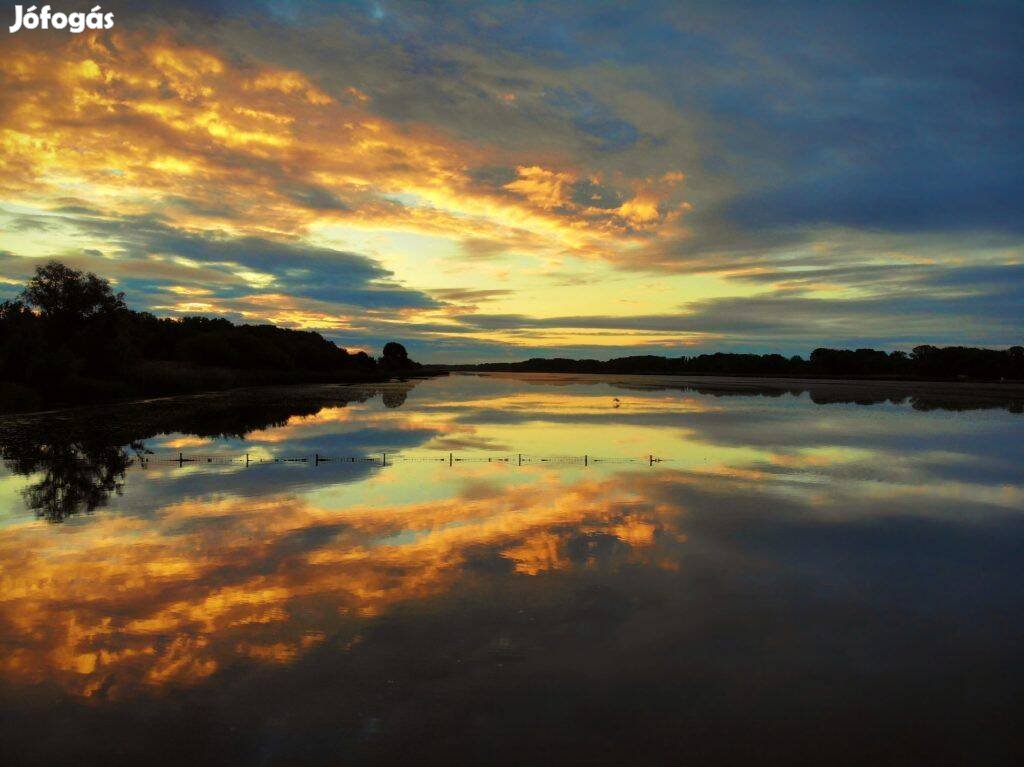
[499, 181]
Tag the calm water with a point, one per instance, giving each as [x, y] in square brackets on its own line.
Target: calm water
[803, 579]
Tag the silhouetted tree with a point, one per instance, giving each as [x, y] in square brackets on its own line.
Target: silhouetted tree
[70, 338]
[395, 359]
[395, 353]
[62, 294]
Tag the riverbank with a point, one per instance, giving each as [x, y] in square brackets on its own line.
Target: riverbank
[230, 411]
[160, 380]
[924, 362]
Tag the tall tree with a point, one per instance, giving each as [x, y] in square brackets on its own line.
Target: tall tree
[63, 295]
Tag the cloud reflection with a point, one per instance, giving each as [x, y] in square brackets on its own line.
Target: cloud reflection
[196, 571]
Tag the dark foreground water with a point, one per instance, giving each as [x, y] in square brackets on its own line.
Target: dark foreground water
[804, 579]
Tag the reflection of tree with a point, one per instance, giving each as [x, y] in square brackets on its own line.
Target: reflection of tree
[75, 476]
[82, 455]
[394, 398]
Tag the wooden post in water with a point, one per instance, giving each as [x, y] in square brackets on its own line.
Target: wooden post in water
[246, 459]
[585, 461]
[181, 460]
[383, 459]
[449, 459]
[651, 460]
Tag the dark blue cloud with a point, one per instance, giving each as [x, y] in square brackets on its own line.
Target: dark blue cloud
[899, 116]
[594, 119]
[301, 270]
[896, 116]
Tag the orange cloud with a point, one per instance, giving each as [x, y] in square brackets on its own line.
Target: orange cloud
[169, 600]
[123, 121]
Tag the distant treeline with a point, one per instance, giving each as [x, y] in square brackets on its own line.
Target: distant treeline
[925, 362]
[68, 339]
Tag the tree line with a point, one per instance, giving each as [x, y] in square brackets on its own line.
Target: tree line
[68, 338]
[925, 362]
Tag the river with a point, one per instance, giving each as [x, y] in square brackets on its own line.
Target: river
[516, 569]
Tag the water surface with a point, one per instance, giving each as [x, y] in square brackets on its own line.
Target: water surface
[817, 575]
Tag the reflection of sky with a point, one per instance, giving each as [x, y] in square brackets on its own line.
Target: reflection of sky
[834, 513]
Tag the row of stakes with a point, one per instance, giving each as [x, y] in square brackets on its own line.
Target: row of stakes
[451, 460]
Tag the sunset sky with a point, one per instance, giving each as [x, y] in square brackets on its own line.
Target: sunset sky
[500, 181]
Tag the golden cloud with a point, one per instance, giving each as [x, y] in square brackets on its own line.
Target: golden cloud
[124, 121]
